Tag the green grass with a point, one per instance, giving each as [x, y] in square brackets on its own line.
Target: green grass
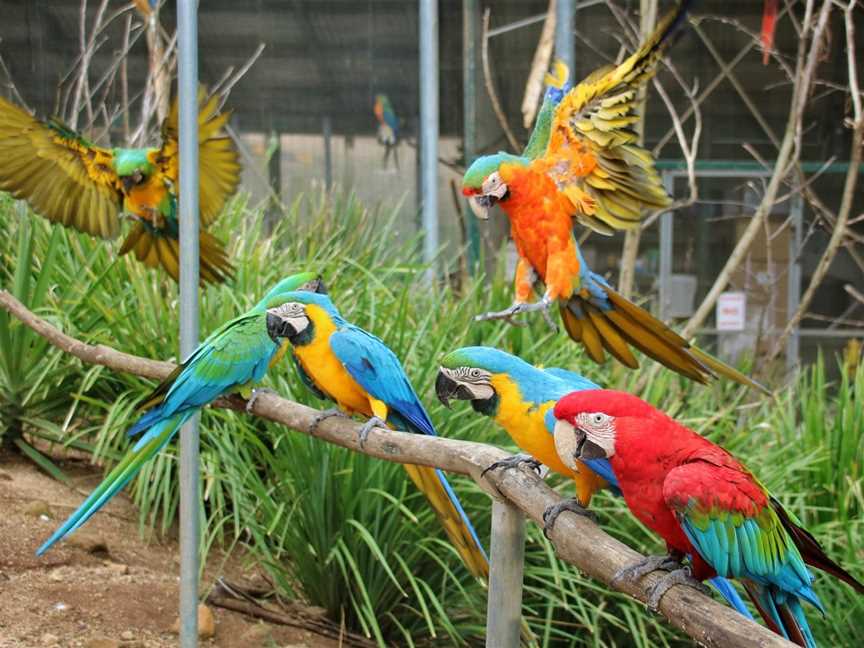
[349, 533]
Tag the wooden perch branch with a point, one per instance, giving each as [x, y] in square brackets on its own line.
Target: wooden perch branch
[577, 540]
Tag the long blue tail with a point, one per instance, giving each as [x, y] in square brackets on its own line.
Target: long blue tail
[146, 447]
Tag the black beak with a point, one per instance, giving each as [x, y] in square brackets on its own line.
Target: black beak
[447, 388]
[128, 183]
[486, 201]
[279, 328]
[587, 449]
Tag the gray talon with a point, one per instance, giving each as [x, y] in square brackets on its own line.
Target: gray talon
[550, 515]
[680, 576]
[323, 416]
[514, 462]
[367, 426]
[255, 394]
[508, 313]
[645, 566]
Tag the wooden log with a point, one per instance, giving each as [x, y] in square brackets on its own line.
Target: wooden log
[577, 540]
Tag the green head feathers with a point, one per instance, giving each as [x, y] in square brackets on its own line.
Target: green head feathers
[485, 166]
[128, 161]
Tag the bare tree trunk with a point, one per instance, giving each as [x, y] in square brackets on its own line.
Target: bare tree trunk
[647, 21]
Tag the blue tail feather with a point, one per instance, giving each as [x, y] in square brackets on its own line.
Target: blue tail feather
[458, 505]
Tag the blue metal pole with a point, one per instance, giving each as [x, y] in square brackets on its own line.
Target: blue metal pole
[429, 128]
[187, 69]
[565, 48]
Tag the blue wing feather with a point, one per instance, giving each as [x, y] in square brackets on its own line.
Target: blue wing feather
[377, 370]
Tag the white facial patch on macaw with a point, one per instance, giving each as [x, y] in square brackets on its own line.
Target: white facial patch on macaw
[599, 429]
[293, 314]
[476, 381]
[567, 440]
[494, 186]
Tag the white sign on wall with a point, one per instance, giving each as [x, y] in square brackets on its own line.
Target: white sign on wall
[731, 311]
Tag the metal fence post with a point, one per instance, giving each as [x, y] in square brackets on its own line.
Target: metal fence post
[471, 31]
[565, 48]
[429, 128]
[506, 563]
[666, 243]
[187, 69]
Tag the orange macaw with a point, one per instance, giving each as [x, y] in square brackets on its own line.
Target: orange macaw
[583, 162]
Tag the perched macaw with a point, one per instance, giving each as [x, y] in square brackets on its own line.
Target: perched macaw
[583, 162]
[71, 181]
[702, 501]
[232, 359]
[520, 398]
[388, 128]
[344, 364]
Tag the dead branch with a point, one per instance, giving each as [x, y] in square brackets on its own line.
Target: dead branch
[577, 540]
[846, 201]
[539, 65]
[490, 84]
[805, 67]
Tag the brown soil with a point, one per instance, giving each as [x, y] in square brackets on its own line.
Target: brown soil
[105, 587]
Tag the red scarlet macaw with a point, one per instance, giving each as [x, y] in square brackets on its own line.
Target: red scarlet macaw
[703, 502]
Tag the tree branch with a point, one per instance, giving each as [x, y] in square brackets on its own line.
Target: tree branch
[577, 540]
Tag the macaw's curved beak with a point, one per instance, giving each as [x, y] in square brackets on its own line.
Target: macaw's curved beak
[279, 327]
[446, 388]
[481, 205]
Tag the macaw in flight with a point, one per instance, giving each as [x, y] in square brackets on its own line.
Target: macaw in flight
[388, 128]
[583, 162]
[232, 359]
[344, 364]
[520, 398]
[71, 181]
[703, 502]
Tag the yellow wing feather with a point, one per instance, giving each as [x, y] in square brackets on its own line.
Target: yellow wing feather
[63, 177]
[218, 157]
[593, 146]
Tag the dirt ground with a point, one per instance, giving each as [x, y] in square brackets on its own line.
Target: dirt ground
[105, 587]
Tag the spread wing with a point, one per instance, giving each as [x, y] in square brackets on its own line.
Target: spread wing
[217, 156]
[593, 153]
[377, 369]
[63, 176]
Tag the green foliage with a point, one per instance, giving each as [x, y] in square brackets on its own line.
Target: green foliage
[349, 533]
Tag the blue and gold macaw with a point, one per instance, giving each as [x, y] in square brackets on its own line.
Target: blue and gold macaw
[232, 359]
[344, 364]
[520, 398]
[388, 128]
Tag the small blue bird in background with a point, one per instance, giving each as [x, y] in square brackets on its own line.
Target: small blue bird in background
[388, 128]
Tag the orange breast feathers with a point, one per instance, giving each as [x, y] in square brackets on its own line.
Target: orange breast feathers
[144, 200]
[541, 224]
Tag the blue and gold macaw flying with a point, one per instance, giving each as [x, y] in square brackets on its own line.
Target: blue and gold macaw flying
[71, 181]
[343, 363]
[520, 398]
[232, 359]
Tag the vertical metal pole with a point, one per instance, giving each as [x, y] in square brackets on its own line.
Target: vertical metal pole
[565, 48]
[471, 23]
[328, 157]
[793, 294]
[507, 554]
[666, 243]
[187, 64]
[429, 128]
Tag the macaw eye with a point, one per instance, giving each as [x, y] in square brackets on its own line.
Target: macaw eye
[599, 418]
[475, 373]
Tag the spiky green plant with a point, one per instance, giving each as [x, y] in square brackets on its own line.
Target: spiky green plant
[351, 534]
